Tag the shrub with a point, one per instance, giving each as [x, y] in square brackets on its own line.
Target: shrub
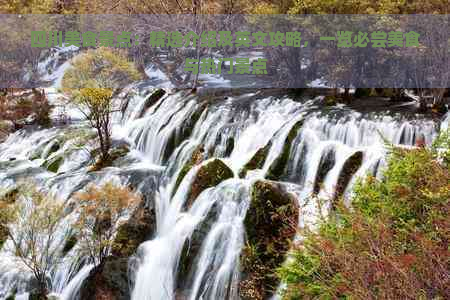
[392, 244]
[100, 210]
[32, 223]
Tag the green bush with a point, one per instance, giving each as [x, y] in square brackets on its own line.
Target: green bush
[392, 244]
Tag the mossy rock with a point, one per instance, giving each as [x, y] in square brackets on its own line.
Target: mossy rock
[278, 167]
[330, 100]
[11, 297]
[325, 165]
[55, 147]
[177, 137]
[109, 280]
[151, 100]
[351, 165]
[133, 232]
[70, 242]
[270, 223]
[37, 296]
[196, 158]
[3, 234]
[257, 161]
[209, 175]
[53, 164]
[229, 147]
[114, 154]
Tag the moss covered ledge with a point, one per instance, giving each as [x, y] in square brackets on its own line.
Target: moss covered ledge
[257, 161]
[271, 223]
[278, 167]
[209, 175]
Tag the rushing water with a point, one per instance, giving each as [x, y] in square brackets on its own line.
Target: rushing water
[162, 139]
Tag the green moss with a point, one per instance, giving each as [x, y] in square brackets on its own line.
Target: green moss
[208, 176]
[133, 232]
[196, 158]
[114, 154]
[151, 100]
[270, 224]
[188, 126]
[349, 168]
[395, 224]
[3, 234]
[53, 164]
[278, 167]
[330, 100]
[257, 161]
[11, 297]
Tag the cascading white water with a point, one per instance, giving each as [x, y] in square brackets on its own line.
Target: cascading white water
[250, 121]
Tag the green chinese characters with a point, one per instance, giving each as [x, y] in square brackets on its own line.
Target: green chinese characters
[236, 66]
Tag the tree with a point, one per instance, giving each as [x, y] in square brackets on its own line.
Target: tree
[92, 82]
[100, 211]
[32, 224]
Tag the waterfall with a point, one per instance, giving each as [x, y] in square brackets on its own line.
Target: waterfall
[162, 137]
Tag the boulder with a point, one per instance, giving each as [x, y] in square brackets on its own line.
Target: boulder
[196, 158]
[178, 136]
[209, 175]
[151, 100]
[270, 223]
[278, 167]
[133, 232]
[257, 161]
[107, 281]
[53, 164]
[349, 168]
[326, 163]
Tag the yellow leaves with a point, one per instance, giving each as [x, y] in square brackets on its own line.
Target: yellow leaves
[99, 68]
[96, 96]
[100, 211]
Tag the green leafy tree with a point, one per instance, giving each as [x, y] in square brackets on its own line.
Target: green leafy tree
[92, 81]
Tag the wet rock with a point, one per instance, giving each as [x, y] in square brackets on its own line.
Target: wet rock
[69, 244]
[191, 248]
[54, 147]
[3, 234]
[257, 161]
[151, 100]
[117, 151]
[133, 232]
[109, 280]
[178, 136]
[278, 167]
[208, 176]
[196, 158]
[271, 223]
[325, 165]
[349, 168]
[53, 164]
[229, 147]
